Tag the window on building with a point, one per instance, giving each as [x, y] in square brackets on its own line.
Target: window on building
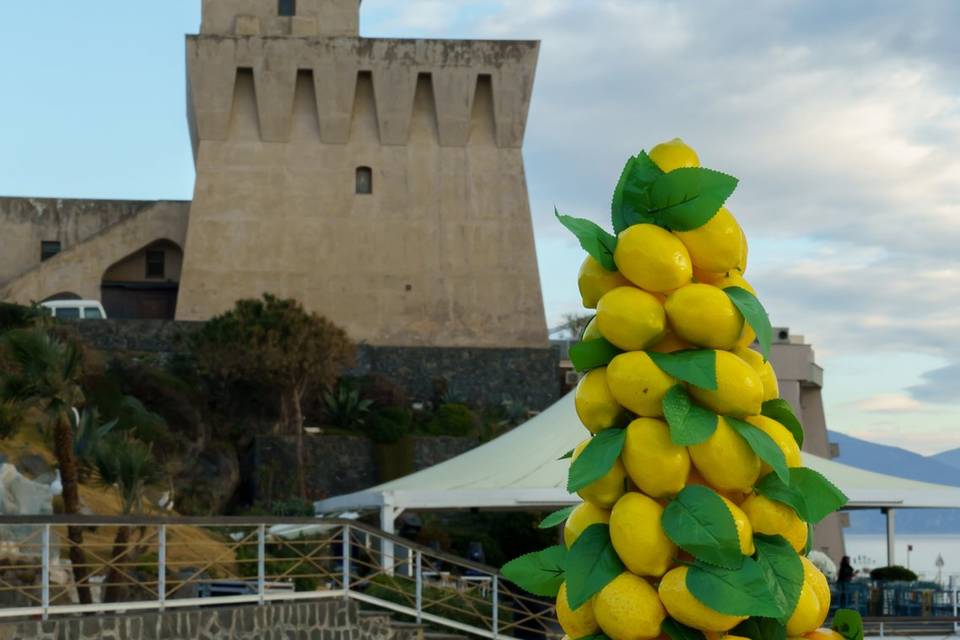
[48, 249]
[364, 180]
[156, 263]
[288, 7]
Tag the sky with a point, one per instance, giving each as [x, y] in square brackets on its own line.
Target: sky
[841, 119]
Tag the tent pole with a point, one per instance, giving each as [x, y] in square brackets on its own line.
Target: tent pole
[388, 517]
[891, 535]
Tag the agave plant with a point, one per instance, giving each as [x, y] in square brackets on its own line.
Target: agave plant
[88, 434]
[344, 406]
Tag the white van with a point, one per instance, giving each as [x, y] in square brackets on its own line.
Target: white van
[75, 309]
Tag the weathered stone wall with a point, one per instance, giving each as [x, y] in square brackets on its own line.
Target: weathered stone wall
[336, 465]
[477, 376]
[323, 620]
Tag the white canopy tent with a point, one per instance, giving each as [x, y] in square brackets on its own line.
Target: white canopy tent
[523, 469]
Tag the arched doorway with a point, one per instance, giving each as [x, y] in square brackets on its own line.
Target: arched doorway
[144, 284]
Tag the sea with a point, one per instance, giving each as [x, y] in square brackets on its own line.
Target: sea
[918, 552]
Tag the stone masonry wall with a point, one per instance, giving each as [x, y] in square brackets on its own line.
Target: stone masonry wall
[320, 620]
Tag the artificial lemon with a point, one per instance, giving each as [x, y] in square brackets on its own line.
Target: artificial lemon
[739, 391]
[638, 536]
[594, 281]
[638, 384]
[782, 436]
[808, 614]
[725, 460]
[768, 377]
[818, 582]
[744, 530]
[744, 252]
[685, 608]
[576, 623]
[596, 406]
[715, 246]
[591, 332]
[824, 634]
[652, 258]
[604, 492]
[628, 609]
[733, 279]
[669, 343]
[656, 465]
[736, 497]
[580, 518]
[704, 315]
[775, 519]
[630, 318]
[674, 154]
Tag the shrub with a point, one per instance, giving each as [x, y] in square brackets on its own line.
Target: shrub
[895, 573]
[15, 316]
[344, 407]
[389, 425]
[453, 420]
[383, 391]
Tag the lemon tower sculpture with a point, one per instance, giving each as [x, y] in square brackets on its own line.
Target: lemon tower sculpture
[697, 510]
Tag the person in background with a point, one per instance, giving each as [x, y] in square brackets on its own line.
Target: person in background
[844, 576]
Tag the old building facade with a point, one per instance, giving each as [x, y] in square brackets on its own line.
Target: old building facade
[379, 181]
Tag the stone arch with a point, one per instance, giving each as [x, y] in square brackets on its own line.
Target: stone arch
[63, 295]
[144, 284]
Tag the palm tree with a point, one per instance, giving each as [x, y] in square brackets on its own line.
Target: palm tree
[126, 465]
[43, 373]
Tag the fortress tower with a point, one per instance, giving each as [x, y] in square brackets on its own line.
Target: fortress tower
[378, 181]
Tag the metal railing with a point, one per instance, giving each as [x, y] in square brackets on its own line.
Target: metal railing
[137, 563]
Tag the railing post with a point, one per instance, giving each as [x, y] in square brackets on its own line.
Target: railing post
[261, 561]
[346, 558]
[162, 566]
[419, 579]
[45, 571]
[496, 606]
[955, 625]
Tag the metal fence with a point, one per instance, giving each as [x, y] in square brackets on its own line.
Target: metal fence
[128, 564]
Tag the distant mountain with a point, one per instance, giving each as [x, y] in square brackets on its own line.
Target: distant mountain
[943, 468]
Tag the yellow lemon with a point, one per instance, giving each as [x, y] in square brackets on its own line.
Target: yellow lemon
[739, 391]
[596, 406]
[717, 245]
[704, 315]
[674, 154]
[576, 623]
[725, 460]
[782, 436]
[748, 337]
[658, 467]
[821, 588]
[591, 331]
[628, 609]
[736, 497]
[744, 252]
[638, 384]
[630, 318]
[824, 634]
[685, 608]
[669, 343]
[768, 377]
[638, 537]
[580, 518]
[806, 615]
[604, 492]
[775, 519]
[594, 281]
[733, 279]
[744, 530]
[723, 636]
[652, 258]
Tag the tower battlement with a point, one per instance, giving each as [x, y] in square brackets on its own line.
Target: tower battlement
[303, 18]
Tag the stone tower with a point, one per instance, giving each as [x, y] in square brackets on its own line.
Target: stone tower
[378, 181]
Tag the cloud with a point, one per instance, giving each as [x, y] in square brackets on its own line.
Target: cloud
[889, 403]
[940, 385]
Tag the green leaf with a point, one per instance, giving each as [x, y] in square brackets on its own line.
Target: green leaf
[699, 522]
[685, 199]
[755, 315]
[761, 629]
[689, 422]
[631, 198]
[594, 240]
[541, 573]
[781, 411]
[591, 564]
[592, 354]
[808, 493]
[736, 592]
[808, 545]
[848, 623]
[557, 517]
[763, 445]
[596, 459]
[696, 366]
[783, 568]
[568, 454]
[678, 631]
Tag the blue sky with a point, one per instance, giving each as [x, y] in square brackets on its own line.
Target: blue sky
[841, 119]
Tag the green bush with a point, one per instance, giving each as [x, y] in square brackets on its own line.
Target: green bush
[453, 420]
[15, 316]
[895, 573]
[388, 425]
